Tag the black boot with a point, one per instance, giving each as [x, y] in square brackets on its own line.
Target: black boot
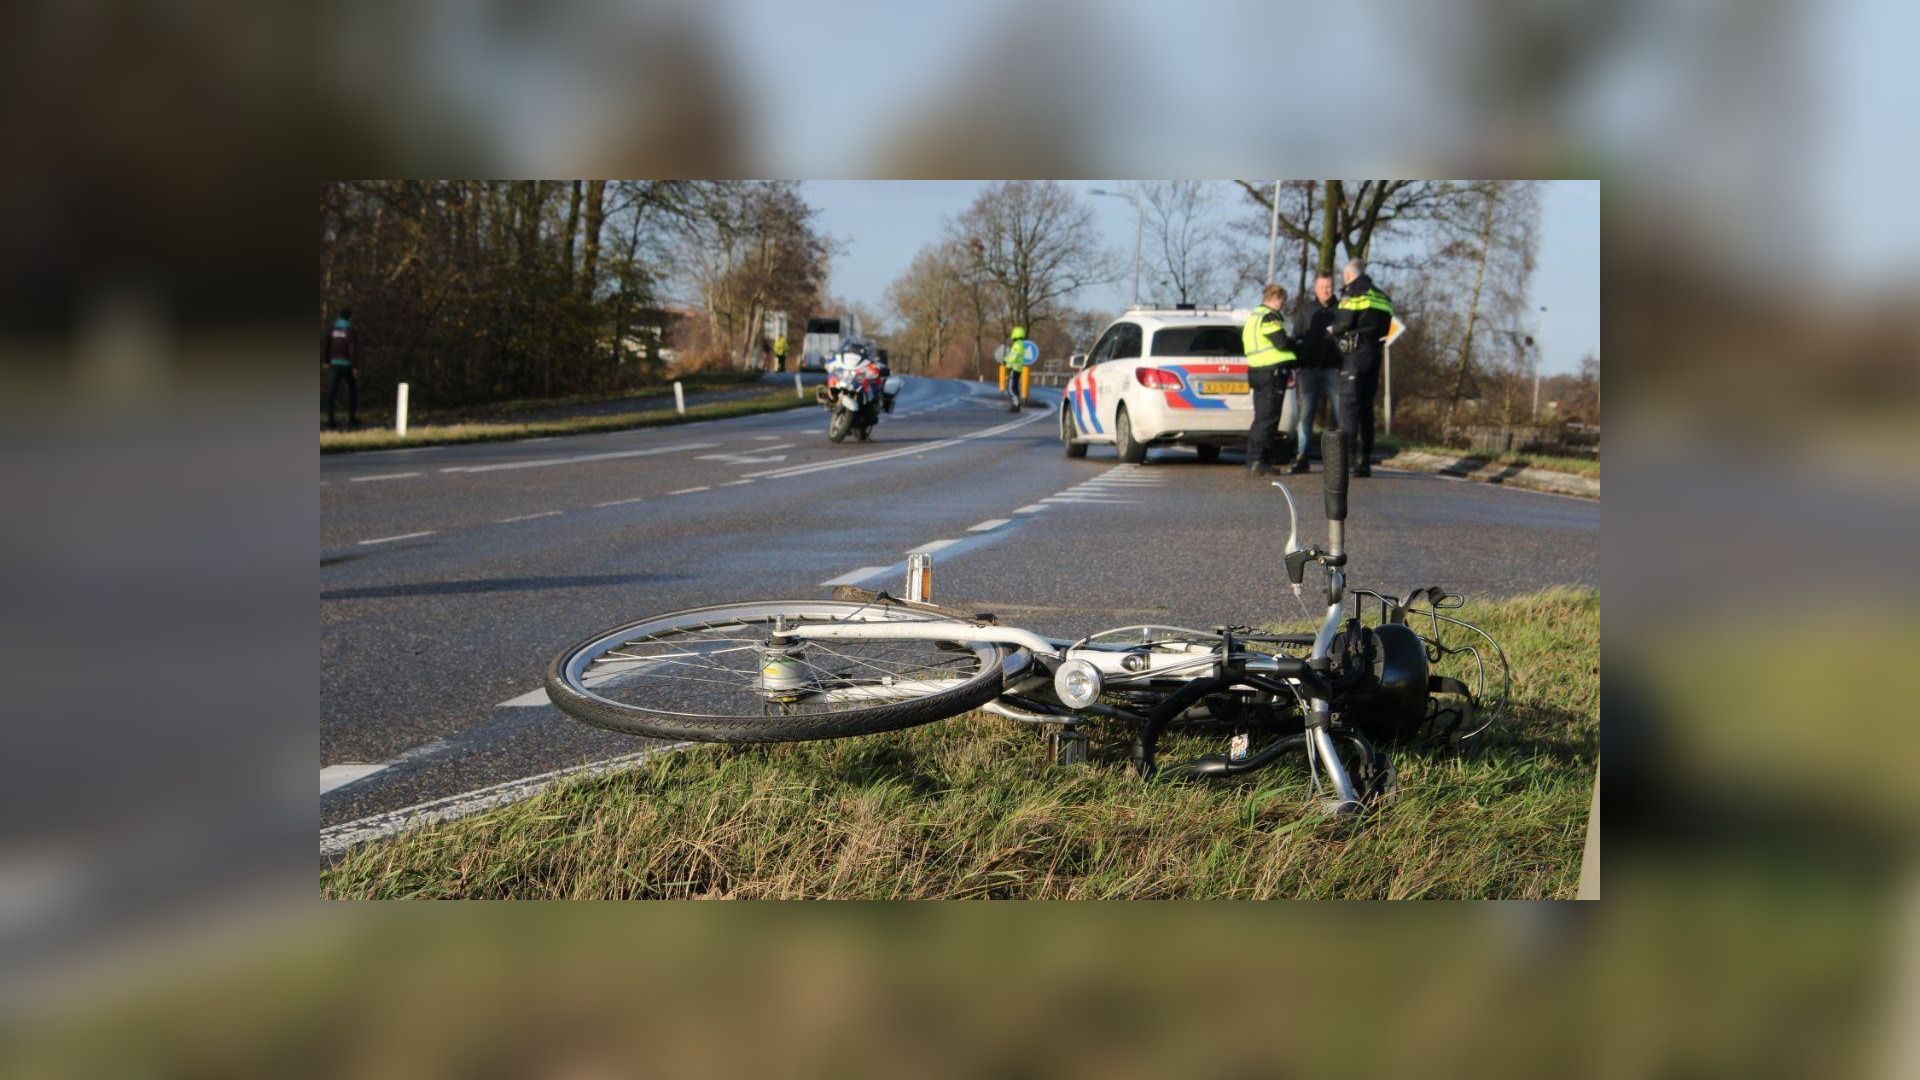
[1299, 465]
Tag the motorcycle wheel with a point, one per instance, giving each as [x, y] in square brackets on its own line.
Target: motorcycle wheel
[838, 427]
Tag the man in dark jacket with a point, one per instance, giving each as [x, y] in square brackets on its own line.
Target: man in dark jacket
[1366, 314]
[1316, 379]
[340, 348]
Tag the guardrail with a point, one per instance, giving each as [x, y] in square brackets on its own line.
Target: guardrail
[1049, 378]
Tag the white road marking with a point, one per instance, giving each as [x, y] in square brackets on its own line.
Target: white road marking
[333, 776]
[577, 459]
[526, 701]
[765, 438]
[931, 546]
[402, 536]
[744, 459]
[1031, 509]
[735, 483]
[888, 455]
[857, 576]
[1108, 500]
[988, 525]
[336, 839]
[691, 490]
[620, 502]
[380, 476]
[528, 517]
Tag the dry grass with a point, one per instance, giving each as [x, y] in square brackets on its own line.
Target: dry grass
[969, 808]
[1577, 466]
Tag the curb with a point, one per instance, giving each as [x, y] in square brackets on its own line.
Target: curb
[1470, 468]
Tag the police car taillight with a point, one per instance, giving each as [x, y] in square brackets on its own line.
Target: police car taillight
[1156, 378]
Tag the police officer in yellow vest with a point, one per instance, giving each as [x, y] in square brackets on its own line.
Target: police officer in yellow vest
[780, 352]
[1270, 362]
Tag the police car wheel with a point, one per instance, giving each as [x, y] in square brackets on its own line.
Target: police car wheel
[1131, 450]
[1069, 436]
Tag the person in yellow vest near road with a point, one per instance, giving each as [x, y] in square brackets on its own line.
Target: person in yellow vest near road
[1366, 314]
[1270, 363]
[780, 352]
[1021, 355]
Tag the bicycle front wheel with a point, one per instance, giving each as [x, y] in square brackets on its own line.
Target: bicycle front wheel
[740, 673]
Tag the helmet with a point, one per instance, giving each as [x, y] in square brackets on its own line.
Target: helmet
[1019, 332]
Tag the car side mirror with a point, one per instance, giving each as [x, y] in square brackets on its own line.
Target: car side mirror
[1077, 361]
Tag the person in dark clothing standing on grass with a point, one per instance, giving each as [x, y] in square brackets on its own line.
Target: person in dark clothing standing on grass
[1316, 378]
[340, 348]
[1366, 315]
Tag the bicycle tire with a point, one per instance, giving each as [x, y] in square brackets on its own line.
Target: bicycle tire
[568, 692]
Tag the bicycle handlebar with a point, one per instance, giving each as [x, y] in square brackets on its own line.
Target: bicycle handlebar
[1334, 455]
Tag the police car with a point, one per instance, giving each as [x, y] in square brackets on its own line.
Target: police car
[1160, 377]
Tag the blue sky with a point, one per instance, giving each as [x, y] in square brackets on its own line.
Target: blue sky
[881, 224]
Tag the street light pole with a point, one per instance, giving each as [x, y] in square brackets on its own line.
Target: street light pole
[1539, 342]
[1138, 215]
[1273, 234]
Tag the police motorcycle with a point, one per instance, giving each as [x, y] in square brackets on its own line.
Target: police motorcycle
[856, 391]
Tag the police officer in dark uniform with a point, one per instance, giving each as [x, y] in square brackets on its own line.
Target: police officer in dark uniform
[1366, 314]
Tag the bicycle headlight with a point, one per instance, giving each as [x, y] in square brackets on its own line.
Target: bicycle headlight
[1077, 683]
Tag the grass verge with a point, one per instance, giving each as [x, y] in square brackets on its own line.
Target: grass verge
[1577, 466]
[969, 808]
[336, 442]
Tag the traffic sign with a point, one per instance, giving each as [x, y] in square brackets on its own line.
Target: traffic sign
[1395, 330]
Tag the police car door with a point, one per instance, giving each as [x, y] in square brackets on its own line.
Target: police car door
[1115, 373]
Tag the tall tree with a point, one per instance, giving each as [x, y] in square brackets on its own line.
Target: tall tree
[1351, 212]
[1034, 244]
[590, 244]
[1183, 238]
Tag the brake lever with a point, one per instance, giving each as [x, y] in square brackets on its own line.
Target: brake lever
[1293, 532]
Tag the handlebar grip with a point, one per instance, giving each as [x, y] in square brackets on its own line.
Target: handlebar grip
[1334, 455]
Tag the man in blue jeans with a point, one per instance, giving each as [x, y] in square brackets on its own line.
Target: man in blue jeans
[1316, 378]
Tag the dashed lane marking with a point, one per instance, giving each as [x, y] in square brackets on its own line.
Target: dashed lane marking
[855, 577]
[988, 525]
[620, 502]
[577, 459]
[333, 776]
[380, 476]
[1032, 509]
[402, 536]
[336, 839]
[691, 490]
[888, 455]
[527, 517]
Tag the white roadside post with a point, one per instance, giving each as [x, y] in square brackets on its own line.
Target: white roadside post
[1394, 330]
[679, 399]
[400, 413]
[797, 392]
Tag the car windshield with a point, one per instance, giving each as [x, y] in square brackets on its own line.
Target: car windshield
[1214, 340]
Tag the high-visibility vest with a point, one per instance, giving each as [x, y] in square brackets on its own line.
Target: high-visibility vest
[1371, 299]
[780, 346]
[1021, 353]
[1254, 342]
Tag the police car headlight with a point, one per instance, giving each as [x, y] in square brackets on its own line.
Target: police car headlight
[1077, 683]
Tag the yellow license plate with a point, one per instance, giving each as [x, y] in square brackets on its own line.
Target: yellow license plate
[1221, 386]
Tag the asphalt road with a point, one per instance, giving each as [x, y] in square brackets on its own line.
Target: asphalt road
[450, 576]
